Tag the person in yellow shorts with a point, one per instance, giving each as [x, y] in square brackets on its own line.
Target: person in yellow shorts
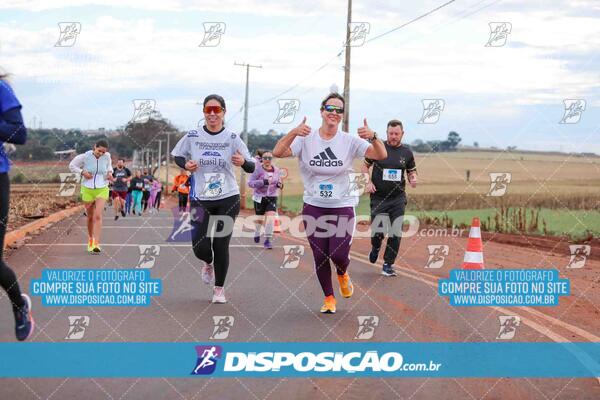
[95, 168]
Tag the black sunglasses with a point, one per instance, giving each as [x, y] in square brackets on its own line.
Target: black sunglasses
[330, 108]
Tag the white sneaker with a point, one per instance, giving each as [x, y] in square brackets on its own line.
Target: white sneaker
[219, 295]
[207, 273]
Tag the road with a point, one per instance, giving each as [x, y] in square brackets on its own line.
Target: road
[270, 303]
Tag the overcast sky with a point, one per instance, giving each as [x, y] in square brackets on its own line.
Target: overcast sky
[498, 95]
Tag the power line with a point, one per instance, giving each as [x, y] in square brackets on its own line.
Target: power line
[298, 83]
[321, 67]
[411, 21]
[370, 40]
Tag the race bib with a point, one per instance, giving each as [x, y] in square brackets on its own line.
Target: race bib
[394, 175]
[182, 186]
[139, 185]
[213, 184]
[257, 198]
[326, 190]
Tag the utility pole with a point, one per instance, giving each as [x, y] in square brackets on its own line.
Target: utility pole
[167, 159]
[159, 157]
[245, 131]
[345, 124]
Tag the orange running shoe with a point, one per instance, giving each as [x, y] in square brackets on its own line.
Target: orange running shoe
[346, 286]
[328, 305]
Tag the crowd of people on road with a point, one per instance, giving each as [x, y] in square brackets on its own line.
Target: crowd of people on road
[206, 187]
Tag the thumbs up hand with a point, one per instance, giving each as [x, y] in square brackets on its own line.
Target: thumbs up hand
[365, 132]
[302, 129]
[237, 159]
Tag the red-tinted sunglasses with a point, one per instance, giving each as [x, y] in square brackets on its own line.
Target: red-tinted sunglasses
[213, 109]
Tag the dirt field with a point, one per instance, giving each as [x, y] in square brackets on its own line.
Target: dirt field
[544, 181]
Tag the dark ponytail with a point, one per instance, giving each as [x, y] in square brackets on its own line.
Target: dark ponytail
[216, 97]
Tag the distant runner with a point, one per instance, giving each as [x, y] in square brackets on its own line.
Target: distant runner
[266, 182]
[95, 166]
[122, 177]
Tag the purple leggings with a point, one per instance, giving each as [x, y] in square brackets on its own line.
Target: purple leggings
[334, 246]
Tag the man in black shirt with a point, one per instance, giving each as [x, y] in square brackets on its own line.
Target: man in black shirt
[388, 197]
[122, 176]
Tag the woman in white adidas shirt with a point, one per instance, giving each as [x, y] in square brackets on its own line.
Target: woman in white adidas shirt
[95, 166]
[325, 158]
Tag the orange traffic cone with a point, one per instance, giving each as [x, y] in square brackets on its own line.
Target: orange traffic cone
[474, 254]
[277, 224]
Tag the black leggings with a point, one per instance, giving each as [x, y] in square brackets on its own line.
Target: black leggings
[183, 199]
[205, 246]
[157, 201]
[8, 279]
[145, 197]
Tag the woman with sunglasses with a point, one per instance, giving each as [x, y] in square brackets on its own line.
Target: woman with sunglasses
[325, 158]
[266, 182]
[12, 131]
[210, 154]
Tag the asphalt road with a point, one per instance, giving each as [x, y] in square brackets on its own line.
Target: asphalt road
[270, 303]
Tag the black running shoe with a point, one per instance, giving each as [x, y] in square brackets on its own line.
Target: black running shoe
[24, 323]
[388, 270]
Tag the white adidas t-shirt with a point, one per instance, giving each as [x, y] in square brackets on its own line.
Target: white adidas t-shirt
[214, 179]
[326, 168]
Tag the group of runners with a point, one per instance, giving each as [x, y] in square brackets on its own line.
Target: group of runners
[135, 194]
[208, 158]
[325, 156]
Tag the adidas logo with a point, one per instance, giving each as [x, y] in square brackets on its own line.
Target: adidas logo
[325, 159]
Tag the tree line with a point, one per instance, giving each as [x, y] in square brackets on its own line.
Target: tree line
[42, 143]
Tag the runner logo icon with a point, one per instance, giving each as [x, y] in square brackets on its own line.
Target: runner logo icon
[326, 159]
[207, 359]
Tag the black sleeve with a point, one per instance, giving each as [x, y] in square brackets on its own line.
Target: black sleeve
[410, 165]
[12, 129]
[180, 161]
[248, 166]
[127, 172]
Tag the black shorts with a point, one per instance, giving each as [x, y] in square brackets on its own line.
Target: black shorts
[267, 204]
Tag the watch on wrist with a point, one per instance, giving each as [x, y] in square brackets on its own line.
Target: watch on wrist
[373, 138]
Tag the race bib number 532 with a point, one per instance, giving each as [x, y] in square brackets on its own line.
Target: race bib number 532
[326, 190]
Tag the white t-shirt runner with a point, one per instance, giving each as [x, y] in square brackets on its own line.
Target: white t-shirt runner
[326, 167]
[214, 179]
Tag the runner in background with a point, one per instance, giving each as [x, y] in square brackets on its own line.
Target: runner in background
[12, 130]
[266, 182]
[128, 199]
[95, 166]
[154, 190]
[122, 177]
[388, 196]
[147, 177]
[137, 192]
[211, 153]
[158, 195]
[325, 157]
[181, 186]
